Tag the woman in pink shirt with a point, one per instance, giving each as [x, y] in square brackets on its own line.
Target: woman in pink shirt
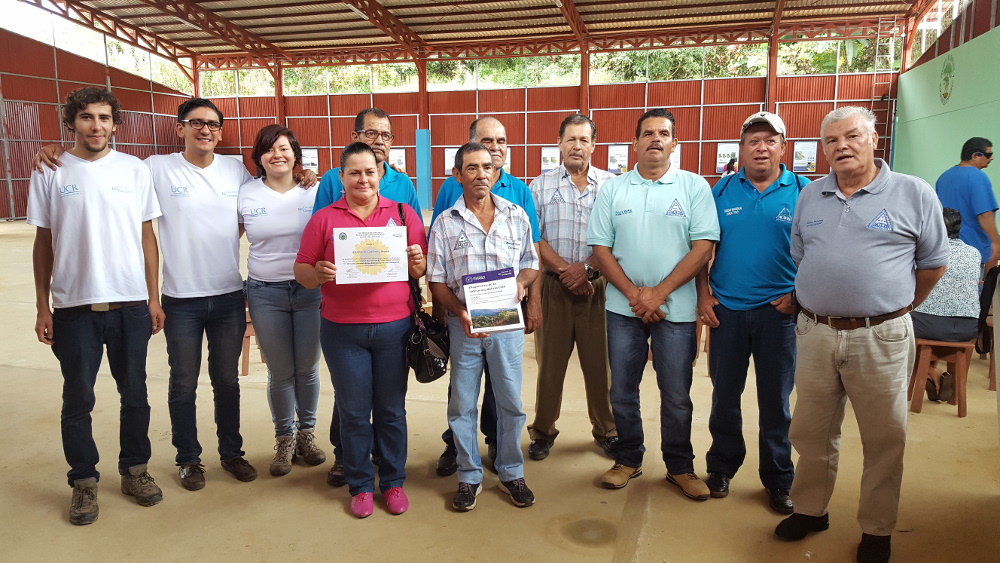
[362, 332]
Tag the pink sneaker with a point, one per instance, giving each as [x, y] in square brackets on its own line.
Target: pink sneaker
[362, 505]
[396, 501]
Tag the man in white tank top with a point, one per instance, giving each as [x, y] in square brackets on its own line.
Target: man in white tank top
[95, 255]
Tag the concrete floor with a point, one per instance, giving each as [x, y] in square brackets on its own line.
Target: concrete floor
[949, 510]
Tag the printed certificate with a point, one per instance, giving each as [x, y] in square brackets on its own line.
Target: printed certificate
[491, 298]
[370, 254]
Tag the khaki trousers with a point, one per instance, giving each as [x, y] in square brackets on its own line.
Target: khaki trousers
[569, 319]
[871, 367]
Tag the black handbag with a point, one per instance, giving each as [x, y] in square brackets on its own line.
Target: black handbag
[427, 342]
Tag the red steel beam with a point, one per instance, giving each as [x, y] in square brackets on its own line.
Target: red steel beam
[772, 56]
[390, 25]
[574, 20]
[220, 28]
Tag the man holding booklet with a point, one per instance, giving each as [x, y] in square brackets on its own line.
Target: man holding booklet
[479, 261]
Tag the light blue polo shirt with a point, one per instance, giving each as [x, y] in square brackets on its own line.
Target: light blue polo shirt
[507, 187]
[649, 226]
[395, 186]
[753, 265]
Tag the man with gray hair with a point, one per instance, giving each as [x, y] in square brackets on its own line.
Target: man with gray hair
[870, 245]
[573, 290]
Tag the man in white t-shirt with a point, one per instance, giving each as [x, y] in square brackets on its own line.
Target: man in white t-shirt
[95, 255]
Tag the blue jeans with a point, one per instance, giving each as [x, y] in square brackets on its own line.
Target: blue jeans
[368, 367]
[286, 319]
[487, 416]
[769, 336]
[502, 352]
[79, 340]
[222, 318]
[673, 352]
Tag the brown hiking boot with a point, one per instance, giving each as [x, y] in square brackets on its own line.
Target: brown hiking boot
[619, 476]
[691, 486]
[83, 508]
[284, 452]
[137, 483]
[192, 476]
[305, 447]
[240, 468]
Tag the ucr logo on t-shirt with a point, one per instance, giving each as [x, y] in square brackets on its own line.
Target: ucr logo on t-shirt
[256, 212]
[881, 222]
[463, 241]
[785, 216]
[68, 190]
[676, 210]
[180, 191]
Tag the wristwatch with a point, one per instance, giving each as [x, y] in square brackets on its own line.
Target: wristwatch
[592, 274]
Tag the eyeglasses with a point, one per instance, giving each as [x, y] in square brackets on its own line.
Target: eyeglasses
[200, 124]
[372, 134]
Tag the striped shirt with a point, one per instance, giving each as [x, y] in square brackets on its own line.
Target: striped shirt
[564, 211]
[458, 244]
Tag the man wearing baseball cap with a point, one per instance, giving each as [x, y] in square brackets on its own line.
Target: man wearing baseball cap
[745, 297]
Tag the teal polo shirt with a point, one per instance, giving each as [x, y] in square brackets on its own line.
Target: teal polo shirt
[753, 265]
[649, 226]
[393, 185]
[506, 186]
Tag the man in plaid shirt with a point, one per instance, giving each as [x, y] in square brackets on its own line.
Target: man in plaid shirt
[572, 290]
[482, 232]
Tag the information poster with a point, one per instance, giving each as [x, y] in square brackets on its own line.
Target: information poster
[370, 254]
[804, 159]
[618, 158]
[724, 153]
[491, 298]
[550, 158]
[310, 160]
[397, 159]
[449, 159]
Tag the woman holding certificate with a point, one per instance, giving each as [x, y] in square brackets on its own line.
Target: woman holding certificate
[362, 251]
[273, 211]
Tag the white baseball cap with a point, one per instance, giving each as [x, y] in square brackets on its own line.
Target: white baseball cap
[772, 120]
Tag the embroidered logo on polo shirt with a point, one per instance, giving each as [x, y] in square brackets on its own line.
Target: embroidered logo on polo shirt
[785, 216]
[463, 241]
[733, 210]
[557, 198]
[881, 222]
[391, 223]
[68, 190]
[676, 210]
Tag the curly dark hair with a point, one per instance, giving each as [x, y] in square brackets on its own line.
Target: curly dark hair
[80, 98]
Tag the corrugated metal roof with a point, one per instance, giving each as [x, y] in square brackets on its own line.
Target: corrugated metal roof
[281, 29]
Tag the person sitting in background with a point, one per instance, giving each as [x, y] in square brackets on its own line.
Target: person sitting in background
[362, 331]
[273, 210]
[951, 311]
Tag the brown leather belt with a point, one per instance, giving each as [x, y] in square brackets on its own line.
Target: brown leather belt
[849, 323]
[105, 307]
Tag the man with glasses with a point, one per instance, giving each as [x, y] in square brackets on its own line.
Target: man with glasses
[372, 127]
[966, 188]
[489, 132]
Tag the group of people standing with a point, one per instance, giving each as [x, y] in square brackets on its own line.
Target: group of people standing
[815, 282]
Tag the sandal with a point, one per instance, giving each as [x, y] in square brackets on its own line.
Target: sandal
[932, 390]
[947, 391]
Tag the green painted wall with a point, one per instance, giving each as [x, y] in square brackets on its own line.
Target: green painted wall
[929, 129]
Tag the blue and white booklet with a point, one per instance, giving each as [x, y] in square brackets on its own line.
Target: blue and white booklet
[491, 298]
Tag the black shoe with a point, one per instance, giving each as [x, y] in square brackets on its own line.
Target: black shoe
[336, 478]
[874, 549]
[519, 492]
[539, 449]
[491, 452]
[240, 468]
[718, 485]
[465, 498]
[780, 502]
[797, 526]
[608, 446]
[448, 463]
